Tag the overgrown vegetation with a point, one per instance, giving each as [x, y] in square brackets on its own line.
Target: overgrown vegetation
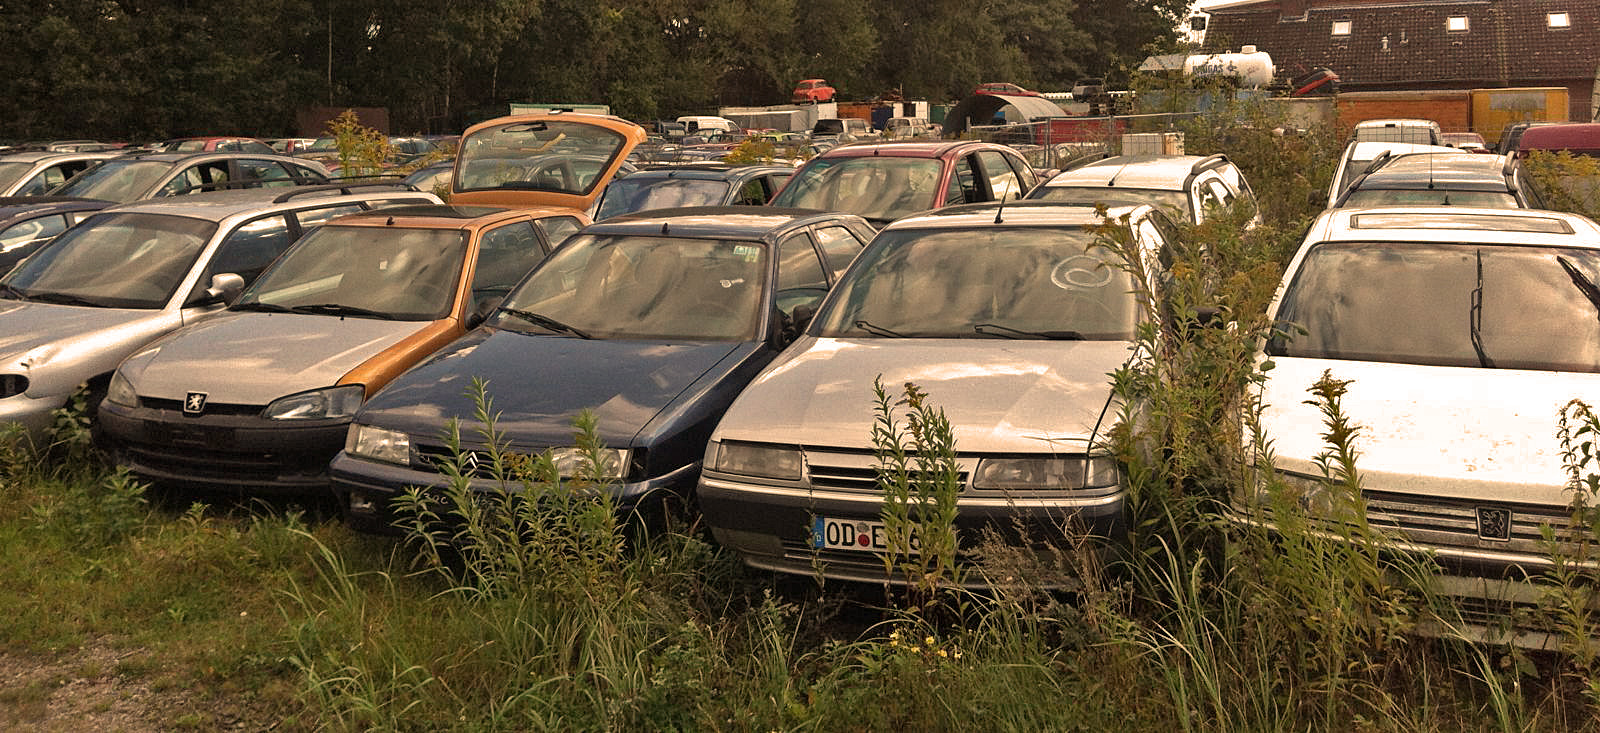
[542, 608]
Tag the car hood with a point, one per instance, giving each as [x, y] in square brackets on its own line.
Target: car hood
[255, 358]
[1000, 395]
[28, 326]
[59, 346]
[540, 383]
[1451, 432]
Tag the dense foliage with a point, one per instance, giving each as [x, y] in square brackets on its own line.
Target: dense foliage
[120, 69]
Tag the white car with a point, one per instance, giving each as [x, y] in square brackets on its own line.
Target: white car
[1011, 321]
[1186, 186]
[1359, 156]
[1463, 332]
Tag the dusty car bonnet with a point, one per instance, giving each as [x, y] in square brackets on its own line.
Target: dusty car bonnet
[539, 383]
[1000, 396]
[1468, 433]
[41, 333]
[255, 358]
[480, 138]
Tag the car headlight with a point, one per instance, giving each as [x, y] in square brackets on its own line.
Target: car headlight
[755, 459]
[570, 460]
[120, 391]
[378, 444]
[1069, 472]
[318, 404]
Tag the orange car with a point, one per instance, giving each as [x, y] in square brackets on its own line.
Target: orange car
[812, 91]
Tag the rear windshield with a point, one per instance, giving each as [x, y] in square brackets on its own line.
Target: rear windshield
[1437, 197]
[1466, 305]
[635, 193]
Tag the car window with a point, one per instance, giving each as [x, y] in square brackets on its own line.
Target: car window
[406, 273]
[28, 233]
[317, 217]
[505, 255]
[249, 249]
[301, 171]
[266, 170]
[752, 193]
[839, 246]
[215, 172]
[558, 228]
[1003, 181]
[42, 183]
[963, 184]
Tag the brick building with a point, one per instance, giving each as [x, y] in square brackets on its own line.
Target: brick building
[1424, 45]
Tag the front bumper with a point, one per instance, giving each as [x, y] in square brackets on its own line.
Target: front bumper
[770, 527]
[33, 413]
[245, 453]
[367, 489]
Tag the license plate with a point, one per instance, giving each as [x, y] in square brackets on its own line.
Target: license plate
[859, 535]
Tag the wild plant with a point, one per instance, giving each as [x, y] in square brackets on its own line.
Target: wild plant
[362, 149]
[921, 484]
[1565, 182]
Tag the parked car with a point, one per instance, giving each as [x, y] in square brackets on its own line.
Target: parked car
[813, 91]
[259, 399]
[703, 125]
[38, 173]
[1011, 320]
[882, 182]
[1463, 332]
[1578, 138]
[549, 159]
[1511, 136]
[1004, 88]
[1416, 132]
[1186, 186]
[898, 128]
[1471, 142]
[151, 175]
[129, 274]
[1441, 179]
[846, 129]
[291, 145]
[432, 178]
[677, 186]
[1358, 156]
[27, 223]
[210, 144]
[653, 321]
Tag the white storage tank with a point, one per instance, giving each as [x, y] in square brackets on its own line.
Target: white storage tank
[1251, 68]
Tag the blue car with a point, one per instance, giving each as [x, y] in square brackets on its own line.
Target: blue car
[652, 321]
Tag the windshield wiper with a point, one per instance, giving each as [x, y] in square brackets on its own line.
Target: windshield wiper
[67, 299]
[337, 309]
[1475, 316]
[1585, 285]
[13, 291]
[544, 321]
[995, 329]
[878, 330]
[256, 305]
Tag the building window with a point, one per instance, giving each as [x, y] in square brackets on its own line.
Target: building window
[1456, 24]
[1341, 27]
[1558, 20]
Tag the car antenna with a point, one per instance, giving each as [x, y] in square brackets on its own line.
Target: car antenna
[664, 229]
[390, 222]
[998, 212]
[1113, 180]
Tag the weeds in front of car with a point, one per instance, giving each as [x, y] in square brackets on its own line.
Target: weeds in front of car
[362, 149]
[1565, 182]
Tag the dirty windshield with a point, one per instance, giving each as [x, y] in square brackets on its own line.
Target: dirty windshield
[121, 181]
[1446, 304]
[113, 260]
[543, 155]
[394, 272]
[1036, 282]
[877, 188]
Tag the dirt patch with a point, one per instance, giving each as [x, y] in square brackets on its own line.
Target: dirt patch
[89, 688]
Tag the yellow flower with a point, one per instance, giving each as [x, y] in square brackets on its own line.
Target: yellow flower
[942, 653]
[928, 640]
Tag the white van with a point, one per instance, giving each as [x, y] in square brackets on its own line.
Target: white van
[700, 125]
[1415, 132]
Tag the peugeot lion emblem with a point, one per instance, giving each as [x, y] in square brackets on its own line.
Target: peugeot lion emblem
[194, 403]
[1494, 524]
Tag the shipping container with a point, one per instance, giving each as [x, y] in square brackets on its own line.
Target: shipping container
[1494, 109]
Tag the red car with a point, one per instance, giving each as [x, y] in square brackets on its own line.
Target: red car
[881, 182]
[215, 144]
[813, 91]
[1005, 88]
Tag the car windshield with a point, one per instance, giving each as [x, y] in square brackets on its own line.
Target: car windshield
[1022, 282]
[324, 145]
[544, 155]
[114, 260]
[1171, 201]
[1435, 197]
[390, 272]
[877, 188]
[117, 180]
[12, 172]
[644, 288]
[1468, 305]
[636, 193]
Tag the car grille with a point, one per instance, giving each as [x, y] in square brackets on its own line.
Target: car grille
[847, 470]
[476, 463]
[213, 453]
[212, 408]
[1455, 523]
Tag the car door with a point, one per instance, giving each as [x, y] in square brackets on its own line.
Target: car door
[801, 278]
[963, 187]
[1001, 180]
[839, 248]
[505, 254]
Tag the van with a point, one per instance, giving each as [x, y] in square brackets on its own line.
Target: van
[903, 127]
[843, 126]
[1416, 132]
[1578, 138]
[699, 125]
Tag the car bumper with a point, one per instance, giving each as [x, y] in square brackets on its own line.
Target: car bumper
[245, 453]
[367, 489]
[770, 527]
[33, 413]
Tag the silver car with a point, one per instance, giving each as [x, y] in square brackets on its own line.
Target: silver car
[138, 176]
[1010, 321]
[37, 173]
[76, 308]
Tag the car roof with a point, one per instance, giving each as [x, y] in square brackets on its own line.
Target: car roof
[219, 205]
[1020, 213]
[43, 155]
[1454, 171]
[1456, 224]
[722, 222]
[1369, 149]
[27, 207]
[176, 157]
[444, 216]
[706, 171]
[1573, 136]
[928, 149]
[1168, 172]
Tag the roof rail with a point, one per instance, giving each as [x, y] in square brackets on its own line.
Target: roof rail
[1384, 158]
[1510, 164]
[343, 188]
[1083, 160]
[1207, 162]
[246, 183]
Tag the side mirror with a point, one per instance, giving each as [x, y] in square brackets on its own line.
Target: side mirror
[225, 288]
[802, 316]
[481, 311]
